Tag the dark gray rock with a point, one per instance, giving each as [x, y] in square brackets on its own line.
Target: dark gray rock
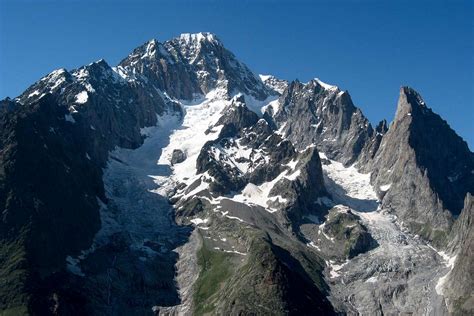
[423, 169]
[236, 117]
[459, 287]
[349, 236]
[302, 192]
[69, 121]
[371, 147]
[190, 65]
[275, 84]
[314, 113]
[177, 156]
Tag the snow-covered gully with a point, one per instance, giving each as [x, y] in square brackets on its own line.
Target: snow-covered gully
[400, 275]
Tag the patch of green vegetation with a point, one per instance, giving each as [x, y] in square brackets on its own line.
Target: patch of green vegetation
[463, 305]
[13, 277]
[437, 237]
[15, 311]
[273, 281]
[345, 227]
[339, 225]
[254, 289]
[215, 269]
[350, 244]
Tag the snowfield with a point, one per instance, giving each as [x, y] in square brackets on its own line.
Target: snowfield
[190, 136]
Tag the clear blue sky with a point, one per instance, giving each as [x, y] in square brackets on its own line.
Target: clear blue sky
[370, 48]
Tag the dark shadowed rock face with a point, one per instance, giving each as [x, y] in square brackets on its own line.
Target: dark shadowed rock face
[422, 169]
[316, 113]
[178, 156]
[371, 147]
[55, 140]
[236, 117]
[460, 281]
[48, 193]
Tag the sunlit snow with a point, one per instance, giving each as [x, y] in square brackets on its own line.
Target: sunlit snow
[82, 97]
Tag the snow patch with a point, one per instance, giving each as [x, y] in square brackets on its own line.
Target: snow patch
[326, 86]
[334, 269]
[197, 221]
[235, 217]
[36, 92]
[265, 77]
[190, 136]
[82, 97]
[449, 262]
[349, 187]
[258, 106]
[312, 244]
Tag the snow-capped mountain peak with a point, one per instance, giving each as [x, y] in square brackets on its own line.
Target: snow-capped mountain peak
[189, 38]
[275, 84]
[325, 85]
[182, 149]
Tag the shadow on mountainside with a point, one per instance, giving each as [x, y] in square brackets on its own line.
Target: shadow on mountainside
[131, 266]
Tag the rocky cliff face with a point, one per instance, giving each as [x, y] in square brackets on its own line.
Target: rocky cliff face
[459, 281]
[190, 65]
[249, 157]
[422, 169]
[321, 114]
[56, 137]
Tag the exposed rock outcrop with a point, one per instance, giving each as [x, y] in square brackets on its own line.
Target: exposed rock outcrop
[320, 114]
[297, 176]
[343, 236]
[178, 156]
[190, 65]
[423, 169]
[458, 289]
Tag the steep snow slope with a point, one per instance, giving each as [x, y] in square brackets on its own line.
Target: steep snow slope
[398, 276]
[190, 136]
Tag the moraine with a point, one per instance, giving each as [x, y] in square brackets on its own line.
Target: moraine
[398, 276]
